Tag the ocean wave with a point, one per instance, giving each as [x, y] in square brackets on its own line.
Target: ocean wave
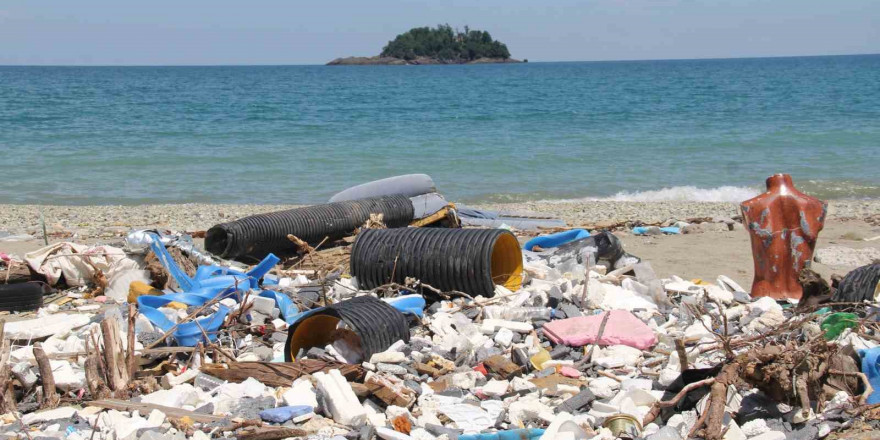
[734, 194]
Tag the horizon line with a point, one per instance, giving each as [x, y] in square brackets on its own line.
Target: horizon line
[529, 62]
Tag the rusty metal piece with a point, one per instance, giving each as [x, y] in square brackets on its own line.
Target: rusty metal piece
[783, 224]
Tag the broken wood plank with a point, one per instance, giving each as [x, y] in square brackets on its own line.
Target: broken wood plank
[428, 369]
[146, 408]
[389, 392]
[277, 374]
[502, 367]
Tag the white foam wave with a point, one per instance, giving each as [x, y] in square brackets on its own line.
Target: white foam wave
[733, 194]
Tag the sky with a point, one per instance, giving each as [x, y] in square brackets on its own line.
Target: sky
[210, 32]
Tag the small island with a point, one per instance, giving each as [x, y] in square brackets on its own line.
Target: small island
[439, 45]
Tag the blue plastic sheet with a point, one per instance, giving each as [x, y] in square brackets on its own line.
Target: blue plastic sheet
[871, 369]
[209, 282]
[557, 239]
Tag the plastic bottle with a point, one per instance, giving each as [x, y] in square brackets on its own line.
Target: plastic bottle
[517, 313]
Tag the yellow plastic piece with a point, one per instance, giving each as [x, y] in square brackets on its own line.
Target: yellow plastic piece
[507, 262]
[538, 359]
[176, 305]
[314, 331]
[140, 288]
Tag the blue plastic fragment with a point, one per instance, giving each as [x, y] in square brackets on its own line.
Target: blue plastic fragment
[408, 304]
[514, 434]
[209, 282]
[284, 413]
[557, 239]
[642, 230]
[871, 369]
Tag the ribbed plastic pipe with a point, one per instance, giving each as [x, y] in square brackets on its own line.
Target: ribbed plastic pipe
[468, 260]
[377, 325]
[259, 235]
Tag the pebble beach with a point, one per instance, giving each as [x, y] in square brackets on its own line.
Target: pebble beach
[110, 220]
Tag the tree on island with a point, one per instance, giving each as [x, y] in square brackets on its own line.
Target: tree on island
[445, 43]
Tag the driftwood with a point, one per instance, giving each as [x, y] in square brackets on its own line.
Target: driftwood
[114, 357]
[94, 379]
[270, 433]
[50, 395]
[145, 408]
[280, 373]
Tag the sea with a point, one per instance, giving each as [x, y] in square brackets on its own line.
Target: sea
[703, 130]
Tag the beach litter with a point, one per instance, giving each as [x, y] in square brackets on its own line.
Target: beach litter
[431, 332]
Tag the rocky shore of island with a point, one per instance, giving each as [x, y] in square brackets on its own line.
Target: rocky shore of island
[392, 61]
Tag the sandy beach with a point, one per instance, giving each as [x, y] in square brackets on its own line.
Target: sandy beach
[703, 255]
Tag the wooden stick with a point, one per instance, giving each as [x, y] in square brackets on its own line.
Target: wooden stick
[50, 395]
[609, 375]
[589, 355]
[868, 388]
[682, 355]
[130, 356]
[114, 359]
[655, 410]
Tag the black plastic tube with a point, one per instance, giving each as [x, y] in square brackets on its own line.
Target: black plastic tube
[256, 236]
[377, 325]
[467, 260]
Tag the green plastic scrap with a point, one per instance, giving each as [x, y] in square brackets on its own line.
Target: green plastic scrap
[835, 323]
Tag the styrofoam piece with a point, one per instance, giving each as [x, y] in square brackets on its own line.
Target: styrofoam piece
[177, 397]
[59, 324]
[388, 357]
[490, 326]
[341, 402]
[302, 393]
[496, 388]
[262, 305]
[390, 434]
[469, 418]
[617, 356]
[65, 412]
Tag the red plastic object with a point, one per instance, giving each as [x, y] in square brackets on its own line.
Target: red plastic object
[783, 224]
[482, 369]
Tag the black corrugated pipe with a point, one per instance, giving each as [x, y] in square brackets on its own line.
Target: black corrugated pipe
[377, 325]
[258, 235]
[468, 260]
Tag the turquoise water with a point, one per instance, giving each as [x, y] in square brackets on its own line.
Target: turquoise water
[697, 129]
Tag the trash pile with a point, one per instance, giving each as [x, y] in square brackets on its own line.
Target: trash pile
[370, 318]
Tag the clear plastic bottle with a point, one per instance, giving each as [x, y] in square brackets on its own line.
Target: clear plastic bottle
[517, 313]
